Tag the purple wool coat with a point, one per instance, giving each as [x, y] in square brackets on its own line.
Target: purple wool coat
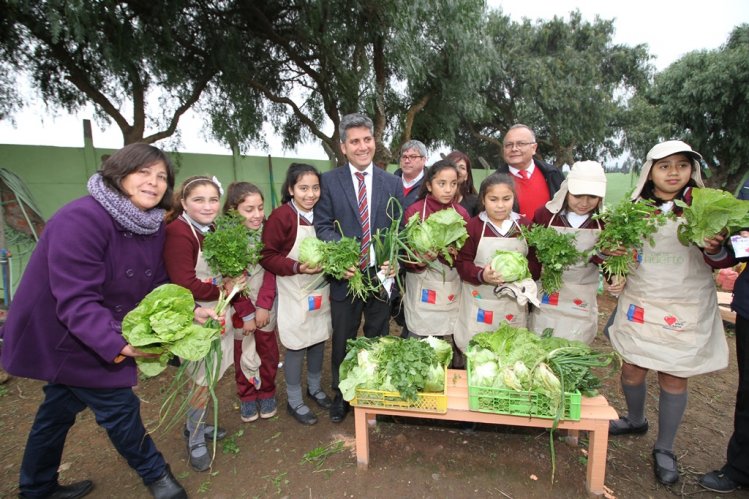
[85, 274]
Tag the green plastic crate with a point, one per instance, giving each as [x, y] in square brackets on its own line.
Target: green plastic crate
[505, 401]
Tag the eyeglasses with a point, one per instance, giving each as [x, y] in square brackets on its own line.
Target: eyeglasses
[520, 145]
[411, 158]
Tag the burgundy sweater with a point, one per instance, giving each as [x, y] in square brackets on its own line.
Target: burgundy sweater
[279, 234]
[472, 273]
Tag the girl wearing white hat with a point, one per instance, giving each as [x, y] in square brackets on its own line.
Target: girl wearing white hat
[667, 317]
[572, 311]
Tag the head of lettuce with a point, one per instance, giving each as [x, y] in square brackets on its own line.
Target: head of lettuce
[163, 323]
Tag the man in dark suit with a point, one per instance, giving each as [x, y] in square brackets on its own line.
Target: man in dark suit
[355, 195]
[536, 182]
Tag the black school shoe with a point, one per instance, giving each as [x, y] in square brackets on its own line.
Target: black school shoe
[306, 419]
[623, 426]
[667, 475]
[208, 432]
[717, 481]
[72, 491]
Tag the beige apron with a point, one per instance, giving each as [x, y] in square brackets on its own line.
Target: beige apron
[250, 361]
[255, 277]
[480, 309]
[305, 301]
[203, 273]
[667, 317]
[432, 298]
[572, 312]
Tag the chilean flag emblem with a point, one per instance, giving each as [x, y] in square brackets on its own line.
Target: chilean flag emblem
[428, 296]
[636, 314]
[552, 299]
[485, 316]
[314, 302]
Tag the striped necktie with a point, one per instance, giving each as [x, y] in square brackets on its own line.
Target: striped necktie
[364, 220]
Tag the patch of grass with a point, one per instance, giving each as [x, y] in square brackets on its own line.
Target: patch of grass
[229, 445]
[3, 390]
[318, 455]
[277, 480]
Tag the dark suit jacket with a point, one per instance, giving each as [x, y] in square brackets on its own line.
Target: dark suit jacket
[338, 203]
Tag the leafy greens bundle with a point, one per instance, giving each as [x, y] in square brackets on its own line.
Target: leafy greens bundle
[627, 225]
[712, 212]
[392, 364]
[335, 258]
[163, 323]
[556, 252]
[441, 231]
[511, 265]
[228, 249]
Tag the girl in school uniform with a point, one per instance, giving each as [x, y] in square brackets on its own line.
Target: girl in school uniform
[572, 311]
[303, 294]
[254, 318]
[667, 318]
[195, 208]
[485, 299]
[432, 291]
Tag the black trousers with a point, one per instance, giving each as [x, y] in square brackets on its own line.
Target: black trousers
[117, 410]
[346, 316]
[737, 462]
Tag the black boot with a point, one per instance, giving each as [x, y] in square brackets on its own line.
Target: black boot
[167, 487]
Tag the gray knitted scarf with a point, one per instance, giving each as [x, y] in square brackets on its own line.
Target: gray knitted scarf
[123, 210]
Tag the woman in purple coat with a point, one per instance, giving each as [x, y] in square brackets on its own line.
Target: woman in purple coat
[97, 258]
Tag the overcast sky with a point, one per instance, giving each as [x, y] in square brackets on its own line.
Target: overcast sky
[669, 28]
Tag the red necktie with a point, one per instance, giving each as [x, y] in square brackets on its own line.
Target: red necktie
[364, 220]
[524, 174]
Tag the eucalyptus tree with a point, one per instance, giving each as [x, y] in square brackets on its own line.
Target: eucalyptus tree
[566, 79]
[398, 62]
[120, 56]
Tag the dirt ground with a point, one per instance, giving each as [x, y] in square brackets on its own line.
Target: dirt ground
[408, 458]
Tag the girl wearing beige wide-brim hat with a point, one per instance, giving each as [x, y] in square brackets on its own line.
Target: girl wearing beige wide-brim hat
[667, 318]
[572, 311]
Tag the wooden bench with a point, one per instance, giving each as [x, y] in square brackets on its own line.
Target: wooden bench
[594, 418]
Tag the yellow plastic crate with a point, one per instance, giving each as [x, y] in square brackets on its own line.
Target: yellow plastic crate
[426, 402]
[520, 403]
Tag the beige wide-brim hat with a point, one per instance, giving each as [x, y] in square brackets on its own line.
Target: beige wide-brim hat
[663, 150]
[586, 178]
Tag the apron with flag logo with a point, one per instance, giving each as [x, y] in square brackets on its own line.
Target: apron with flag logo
[203, 272]
[432, 298]
[480, 309]
[667, 317]
[572, 311]
[305, 302]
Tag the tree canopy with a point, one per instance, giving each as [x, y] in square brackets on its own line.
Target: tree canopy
[703, 98]
[446, 72]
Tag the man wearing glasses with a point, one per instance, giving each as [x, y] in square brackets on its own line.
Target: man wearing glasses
[412, 161]
[535, 181]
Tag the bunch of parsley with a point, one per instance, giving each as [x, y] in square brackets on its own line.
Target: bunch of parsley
[627, 225]
[555, 251]
[226, 249]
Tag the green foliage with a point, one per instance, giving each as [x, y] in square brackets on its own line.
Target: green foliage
[391, 364]
[336, 258]
[229, 444]
[227, 249]
[712, 212]
[627, 225]
[703, 98]
[319, 455]
[442, 231]
[163, 323]
[556, 252]
[115, 56]
[511, 265]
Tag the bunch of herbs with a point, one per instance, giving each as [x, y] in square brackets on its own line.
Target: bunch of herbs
[556, 252]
